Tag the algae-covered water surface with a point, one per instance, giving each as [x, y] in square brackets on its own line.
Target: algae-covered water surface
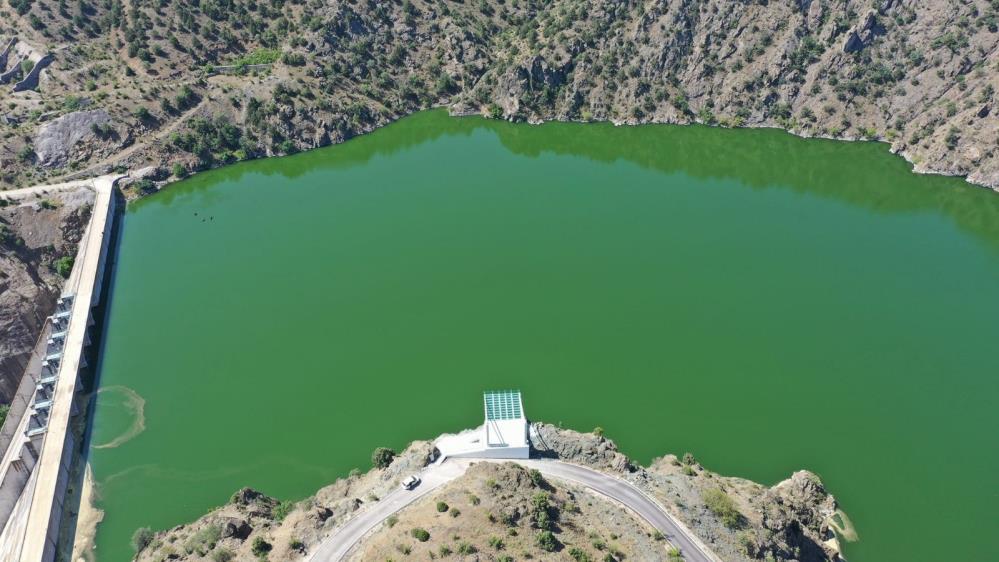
[765, 302]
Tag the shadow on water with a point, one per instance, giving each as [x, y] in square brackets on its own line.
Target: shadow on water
[864, 174]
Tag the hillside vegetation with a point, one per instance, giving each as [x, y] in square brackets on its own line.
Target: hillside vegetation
[504, 512]
[189, 84]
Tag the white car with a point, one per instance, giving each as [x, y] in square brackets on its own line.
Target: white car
[411, 482]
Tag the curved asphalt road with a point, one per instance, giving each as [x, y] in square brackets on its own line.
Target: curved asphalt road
[336, 546]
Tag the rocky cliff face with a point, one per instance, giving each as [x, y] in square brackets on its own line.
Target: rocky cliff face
[738, 519]
[920, 75]
[34, 236]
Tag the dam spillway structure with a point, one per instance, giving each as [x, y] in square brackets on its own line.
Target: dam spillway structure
[38, 463]
[504, 434]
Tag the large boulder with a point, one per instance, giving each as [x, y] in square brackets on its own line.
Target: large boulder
[581, 448]
[862, 34]
[55, 140]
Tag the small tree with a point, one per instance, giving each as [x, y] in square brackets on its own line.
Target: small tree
[720, 504]
[547, 541]
[141, 538]
[260, 547]
[64, 266]
[26, 154]
[536, 478]
[382, 457]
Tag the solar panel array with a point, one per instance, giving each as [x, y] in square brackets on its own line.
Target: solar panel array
[502, 404]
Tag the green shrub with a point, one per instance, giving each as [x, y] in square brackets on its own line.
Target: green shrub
[467, 548]
[21, 6]
[382, 457]
[282, 510]
[455, 512]
[420, 534]
[536, 478]
[260, 547]
[64, 266]
[720, 504]
[26, 154]
[496, 543]
[952, 138]
[293, 59]
[141, 538]
[71, 103]
[442, 507]
[444, 551]
[547, 541]
[185, 98]
[578, 554]
[223, 555]
[179, 171]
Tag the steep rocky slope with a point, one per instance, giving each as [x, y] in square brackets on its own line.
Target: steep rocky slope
[740, 520]
[38, 239]
[153, 81]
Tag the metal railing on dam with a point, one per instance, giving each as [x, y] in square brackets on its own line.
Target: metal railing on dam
[35, 470]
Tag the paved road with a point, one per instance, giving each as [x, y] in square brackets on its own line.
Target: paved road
[336, 546]
[25, 192]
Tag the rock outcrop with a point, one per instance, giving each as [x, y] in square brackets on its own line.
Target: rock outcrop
[58, 138]
[788, 521]
[33, 236]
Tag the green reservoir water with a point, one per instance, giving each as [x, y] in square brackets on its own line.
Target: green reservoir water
[765, 302]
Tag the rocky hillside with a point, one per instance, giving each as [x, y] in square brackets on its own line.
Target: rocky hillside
[499, 510]
[188, 85]
[38, 240]
[495, 511]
